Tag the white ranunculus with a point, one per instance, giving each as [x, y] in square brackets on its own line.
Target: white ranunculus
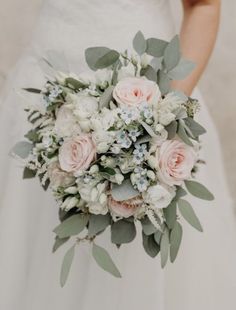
[84, 105]
[66, 124]
[165, 117]
[95, 197]
[103, 139]
[98, 208]
[159, 196]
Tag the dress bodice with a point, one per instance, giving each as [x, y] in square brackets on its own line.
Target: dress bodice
[71, 26]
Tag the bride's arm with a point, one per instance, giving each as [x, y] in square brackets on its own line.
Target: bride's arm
[198, 34]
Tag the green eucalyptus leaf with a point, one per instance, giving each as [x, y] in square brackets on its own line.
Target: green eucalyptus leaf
[66, 265]
[98, 223]
[149, 72]
[104, 260]
[106, 97]
[170, 214]
[156, 63]
[189, 215]
[156, 47]
[180, 192]
[124, 191]
[163, 82]
[172, 54]
[172, 129]
[148, 227]
[182, 133]
[139, 43]
[93, 54]
[22, 149]
[72, 225]
[123, 231]
[28, 173]
[107, 60]
[59, 242]
[182, 70]
[164, 247]
[199, 190]
[150, 246]
[175, 241]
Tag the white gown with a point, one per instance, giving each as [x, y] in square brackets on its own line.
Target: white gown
[204, 274]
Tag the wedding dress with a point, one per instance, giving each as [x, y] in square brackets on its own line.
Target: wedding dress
[204, 274]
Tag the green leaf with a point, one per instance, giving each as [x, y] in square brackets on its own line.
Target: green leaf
[182, 70]
[107, 170]
[74, 83]
[199, 190]
[148, 129]
[66, 265]
[150, 73]
[172, 54]
[182, 134]
[156, 63]
[156, 47]
[150, 246]
[32, 135]
[106, 97]
[123, 231]
[172, 129]
[139, 43]
[93, 54]
[188, 213]
[148, 227]
[22, 149]
[28, 173]
[157, 236]
[72, 226]
[180, 192]
[163, 82]
[104, 260]
[175, 241]
[107, 60]
[33, 90]
[98, 223]
[59, 242]
[170, 214]
[124, 191]
[196, 129]
[164, 247]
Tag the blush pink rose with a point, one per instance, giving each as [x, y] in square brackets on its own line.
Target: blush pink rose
[125, 208]
[176, 161]
[77, 153]
[59, 177]
[133, 91]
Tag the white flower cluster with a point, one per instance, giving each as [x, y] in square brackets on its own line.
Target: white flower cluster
[87, 147]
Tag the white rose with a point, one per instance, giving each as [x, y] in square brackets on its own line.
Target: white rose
[66, 124]
[158, 196]
[84, 105]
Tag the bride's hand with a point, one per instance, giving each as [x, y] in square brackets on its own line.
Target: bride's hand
[198, 34]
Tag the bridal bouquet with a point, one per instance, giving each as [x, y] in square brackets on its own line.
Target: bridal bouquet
[118, 149]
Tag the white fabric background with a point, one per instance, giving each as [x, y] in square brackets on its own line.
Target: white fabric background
[17, 20]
